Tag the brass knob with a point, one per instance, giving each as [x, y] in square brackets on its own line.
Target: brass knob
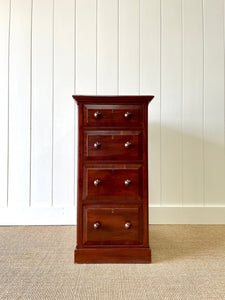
[128, 115]
[128, 225]
[127, 182]
[97, 115]
[97, 225]
[97, 182]
[127, 144]
[97, 145]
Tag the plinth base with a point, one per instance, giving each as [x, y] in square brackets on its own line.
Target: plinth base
[112, 255]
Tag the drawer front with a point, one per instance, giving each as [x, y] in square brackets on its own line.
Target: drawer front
[112, 182]
[113, 115]
[113, 145]
[112, 225]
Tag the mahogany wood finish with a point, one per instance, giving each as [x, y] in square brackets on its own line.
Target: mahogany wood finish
[112, 202]
[113, 145]
[119, 225]
[113, 115]
[112, 182]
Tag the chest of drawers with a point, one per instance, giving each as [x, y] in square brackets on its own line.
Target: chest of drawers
[112, 199]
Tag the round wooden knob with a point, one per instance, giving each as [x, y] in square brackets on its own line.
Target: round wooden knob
[97, 115]
[128, 115]
[97, 145]
[97, 225]
[97, 182]
[128, 225]
[127, 144]
[127, 182]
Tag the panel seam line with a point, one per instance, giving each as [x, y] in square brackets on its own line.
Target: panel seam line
[9, 44]
[31, 82]
[53, 90]
[203, 101]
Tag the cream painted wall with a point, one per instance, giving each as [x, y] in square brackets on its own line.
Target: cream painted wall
[51, 49]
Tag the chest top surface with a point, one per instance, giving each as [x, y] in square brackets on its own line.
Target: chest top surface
[113, 99]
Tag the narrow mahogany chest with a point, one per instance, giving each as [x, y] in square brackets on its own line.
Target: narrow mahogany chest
[112, 202]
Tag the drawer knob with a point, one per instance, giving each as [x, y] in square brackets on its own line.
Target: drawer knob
[127, 182]
[97, 145]
[128, 115]
[97, 182]
[97, 115]
[127, 144]
[128, 225]
[97, 225]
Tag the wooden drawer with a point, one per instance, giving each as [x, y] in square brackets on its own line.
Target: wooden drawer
[113, 115]
[113, 145]
[112, 225]
[112, 182]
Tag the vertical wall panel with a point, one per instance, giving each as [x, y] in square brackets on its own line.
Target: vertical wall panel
[42, 80]
[107, 47]
[171, 150]
[150, 85]
[19, 103]
[86, 47]
[63, 146]
[214, 102]
[192, 103]
[129, 47]
[173, 49]
[4, 49]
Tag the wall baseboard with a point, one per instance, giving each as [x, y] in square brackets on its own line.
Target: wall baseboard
[38, 216]
[187, 215]
[67, 215]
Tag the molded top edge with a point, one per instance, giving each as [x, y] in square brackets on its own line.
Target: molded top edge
[122, 98]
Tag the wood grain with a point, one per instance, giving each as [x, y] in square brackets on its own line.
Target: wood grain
[112, 229]
[113, 185]
[113, 115]
[112, 198]
[112, 145]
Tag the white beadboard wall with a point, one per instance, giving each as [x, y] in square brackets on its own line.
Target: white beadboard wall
[51, 49]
